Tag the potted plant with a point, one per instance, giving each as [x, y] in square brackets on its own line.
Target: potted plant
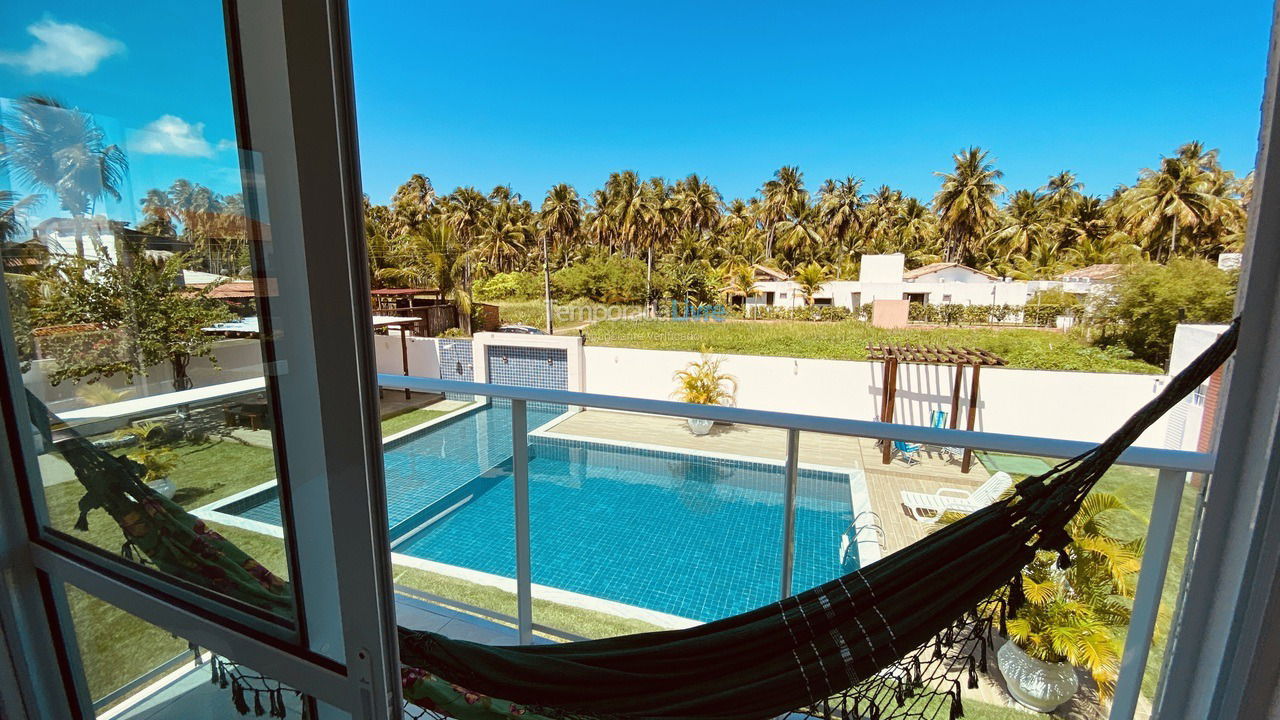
[702, 383]
[1074, 617]
[152, 454]
[157, 462]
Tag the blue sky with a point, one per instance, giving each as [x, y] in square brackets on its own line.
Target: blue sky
[537, 93]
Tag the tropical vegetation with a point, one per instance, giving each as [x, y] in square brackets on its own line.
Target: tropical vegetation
[701, 382]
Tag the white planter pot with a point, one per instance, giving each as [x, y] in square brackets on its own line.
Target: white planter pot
[164, 486]
[698, 426]
[1039, 685]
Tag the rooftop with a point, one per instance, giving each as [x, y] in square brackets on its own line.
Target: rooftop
[1101, 271]
[932, 268]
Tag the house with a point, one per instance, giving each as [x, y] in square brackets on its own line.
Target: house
[884, 277]
[99, 237]
[1091, 280]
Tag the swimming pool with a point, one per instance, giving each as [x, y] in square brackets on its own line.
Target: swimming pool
[692, 536]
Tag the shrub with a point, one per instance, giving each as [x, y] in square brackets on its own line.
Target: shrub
[1150, 300]
[602, 278]
[976, 314]
[810, 313]
[509, 286]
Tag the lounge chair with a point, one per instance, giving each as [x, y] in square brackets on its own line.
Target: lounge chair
[960, 501]
[939, 420]
[910, 452]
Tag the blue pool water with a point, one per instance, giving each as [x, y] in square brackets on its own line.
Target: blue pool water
[691, 536]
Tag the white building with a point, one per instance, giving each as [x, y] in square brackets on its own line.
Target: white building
[884, 277]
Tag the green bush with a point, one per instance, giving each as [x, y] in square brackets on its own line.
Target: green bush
[808, 313]
[601, 278]
[510, 286]
[1150, 300]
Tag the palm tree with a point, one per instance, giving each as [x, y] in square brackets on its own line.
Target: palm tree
[1062, 192]
[1178, 195]
[697, 204]
[840, 209]
[62, 150]
[784, 192]
[811, 278]
[159, 210]
[966, 202]
[411, 204]
[799, 233]
[561, 216]
[740, 281]
[467, 210]
[1024, 222]
[654, 213]
[13, 210]
[434, 257]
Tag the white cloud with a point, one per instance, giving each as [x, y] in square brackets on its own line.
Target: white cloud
[62, 49]
[225, 144]
[171, 135]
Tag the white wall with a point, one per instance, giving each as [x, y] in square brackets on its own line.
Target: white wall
[882, 268]
[424, 358]
[1070, 405]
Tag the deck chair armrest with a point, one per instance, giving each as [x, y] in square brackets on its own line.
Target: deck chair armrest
[953, 492]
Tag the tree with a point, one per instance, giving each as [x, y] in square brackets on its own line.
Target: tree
[799, 234]
[1188, 196]
[740, 281]
[1025, 221]
[1149, 300]
[65, 152]
[966, 202]
[781, 195]
[840, 211]
[434, 257]
[138, 313]
[561, 216]
[811, 278]
[411, 205]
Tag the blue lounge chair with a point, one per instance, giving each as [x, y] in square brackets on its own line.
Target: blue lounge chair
[939, 420]
[910, 452]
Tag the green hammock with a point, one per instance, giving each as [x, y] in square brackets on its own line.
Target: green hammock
[889, 640]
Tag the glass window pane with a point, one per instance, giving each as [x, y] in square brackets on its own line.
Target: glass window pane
[135, 284]
[136, 671]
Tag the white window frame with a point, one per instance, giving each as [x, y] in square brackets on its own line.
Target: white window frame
[295, 122]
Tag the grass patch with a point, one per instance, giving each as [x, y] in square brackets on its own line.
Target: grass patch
[567, 316]
[399, 423]
[847, 340]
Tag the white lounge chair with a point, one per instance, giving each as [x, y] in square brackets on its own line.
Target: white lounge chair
[960, 501]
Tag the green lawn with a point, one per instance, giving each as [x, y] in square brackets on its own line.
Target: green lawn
[399, 423]
[568, 315]
[847, 340]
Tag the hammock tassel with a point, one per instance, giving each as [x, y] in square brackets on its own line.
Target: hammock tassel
[277, 704]
[1016, 597]
[957, 707]
[1064, 560]
[213, 667]
[82, 522]
[973, 673]
[257, 704]
[237, 697]
[937, 648]
[916, 677]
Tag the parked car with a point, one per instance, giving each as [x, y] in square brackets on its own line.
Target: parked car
[521, 329]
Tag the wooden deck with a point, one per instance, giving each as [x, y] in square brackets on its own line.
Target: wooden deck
[884, 482]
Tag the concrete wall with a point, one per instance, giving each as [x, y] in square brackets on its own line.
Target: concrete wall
[236, 360]
[1071, 405]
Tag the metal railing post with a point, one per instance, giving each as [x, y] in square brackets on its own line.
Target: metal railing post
[520, 477]
[789, 510]
[1146, 600]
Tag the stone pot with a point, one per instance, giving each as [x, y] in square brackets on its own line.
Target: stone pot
[1040, 685]
[698, 426]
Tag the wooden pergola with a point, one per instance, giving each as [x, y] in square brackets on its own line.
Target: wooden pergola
[894, 355]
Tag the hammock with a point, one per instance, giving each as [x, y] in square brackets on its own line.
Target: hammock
[889, 640]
